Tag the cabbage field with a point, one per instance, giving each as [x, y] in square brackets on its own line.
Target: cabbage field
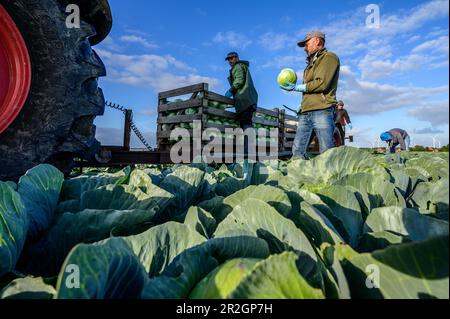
[346, 224]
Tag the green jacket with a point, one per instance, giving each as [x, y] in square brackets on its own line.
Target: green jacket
[242, 87]
[321, 78]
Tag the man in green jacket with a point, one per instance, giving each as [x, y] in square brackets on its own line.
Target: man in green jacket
[320, 82]
[242, 90]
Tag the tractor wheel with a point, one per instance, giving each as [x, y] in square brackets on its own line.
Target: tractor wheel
[49, 95]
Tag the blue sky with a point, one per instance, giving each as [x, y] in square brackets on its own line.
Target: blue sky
[392, 76]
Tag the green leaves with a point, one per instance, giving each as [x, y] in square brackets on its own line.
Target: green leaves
[432, 167]
[106, 270]
[413, 270]
[316, 225]
[256, 218]
[192, 265]
[432, 197]
[222, 281]
[73, 188]
[123, 197]
[277, 278]
[184, 184]
[406, 222]
[273, 196]
[28, 288]
[158, 247]
[46, 256]
[334, 165]
[13, 227]
[345, 206]
[200, 221]
[40, 188]
[346, 224]
[380, 191]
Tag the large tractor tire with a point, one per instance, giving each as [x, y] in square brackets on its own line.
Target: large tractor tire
[55, 123]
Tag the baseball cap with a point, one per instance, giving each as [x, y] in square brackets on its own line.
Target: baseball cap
[340, 102]
[309, 36]
[231, 55]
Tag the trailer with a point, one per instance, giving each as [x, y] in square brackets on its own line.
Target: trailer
[179, 109]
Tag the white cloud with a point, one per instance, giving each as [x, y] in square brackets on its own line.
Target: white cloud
[428, 130]
[351, 35]
[149, 70]
[234, 40]
[377, 63]
[179, 65]
[138, 32]
[434, 113]
[110, 44]
[291, 61]
[109, 136]
[376, 48]
[139, 40]
[414, 19]
[436, 32]
[373, 58]
[435, 46]
[275, 41]
[414, 38]
[170, 81]
[374, 68]
[441, 64]
[369, 98]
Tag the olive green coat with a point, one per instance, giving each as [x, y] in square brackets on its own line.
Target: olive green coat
[242, 87]
[321, 78]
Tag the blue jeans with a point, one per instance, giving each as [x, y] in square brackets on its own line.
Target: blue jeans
[322, 122]
[407, 143]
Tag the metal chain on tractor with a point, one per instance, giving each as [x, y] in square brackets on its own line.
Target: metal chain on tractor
[132, 124]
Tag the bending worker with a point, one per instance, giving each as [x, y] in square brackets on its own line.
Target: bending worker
[320, 82]
[394, 138]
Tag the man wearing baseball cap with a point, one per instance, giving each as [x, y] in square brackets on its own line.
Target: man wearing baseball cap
[243, 91]
[342, 120]
[319, 87]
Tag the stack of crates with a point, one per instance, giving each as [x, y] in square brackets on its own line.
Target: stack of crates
[288, 129]
[179, 108]
[177, 111]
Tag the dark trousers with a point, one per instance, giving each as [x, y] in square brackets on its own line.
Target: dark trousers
[246, 117]
[341, 129]
[246, 121]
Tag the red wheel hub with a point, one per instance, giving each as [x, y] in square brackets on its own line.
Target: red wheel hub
[15, 70]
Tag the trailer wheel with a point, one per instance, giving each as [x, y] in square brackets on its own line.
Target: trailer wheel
[54, 123]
